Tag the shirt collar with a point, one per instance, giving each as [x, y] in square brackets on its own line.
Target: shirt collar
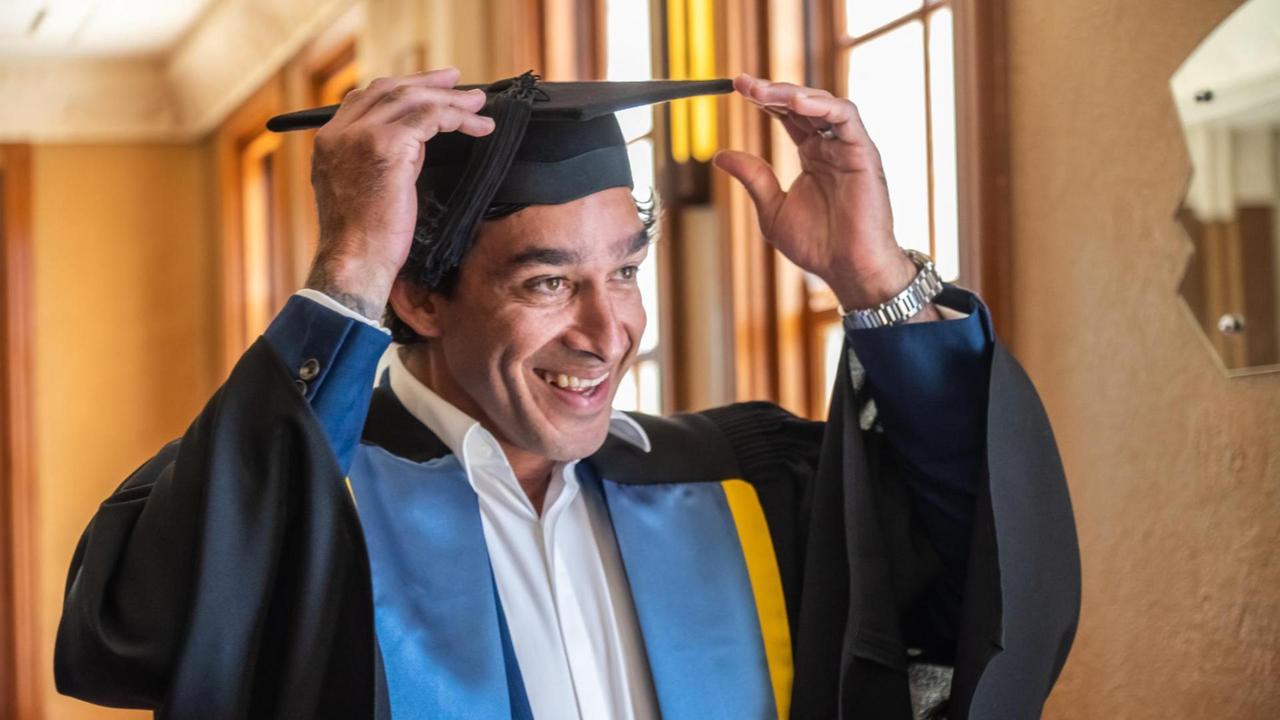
[452, 425]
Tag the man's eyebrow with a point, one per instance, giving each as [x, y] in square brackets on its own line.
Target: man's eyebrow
[543, 256]
[634, 244]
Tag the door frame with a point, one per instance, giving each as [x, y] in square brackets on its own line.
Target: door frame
[19, 647]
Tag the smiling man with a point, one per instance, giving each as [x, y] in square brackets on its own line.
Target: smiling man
[477, 534]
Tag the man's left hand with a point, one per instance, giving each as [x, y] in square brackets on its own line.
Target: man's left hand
[835, 220]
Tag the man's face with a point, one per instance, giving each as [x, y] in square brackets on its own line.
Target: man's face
[545, 319]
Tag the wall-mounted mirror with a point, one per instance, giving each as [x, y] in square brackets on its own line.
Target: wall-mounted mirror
[1228, 97]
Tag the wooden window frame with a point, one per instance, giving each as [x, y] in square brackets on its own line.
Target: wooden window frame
[239, 131]
[20, 668]
[309, 79]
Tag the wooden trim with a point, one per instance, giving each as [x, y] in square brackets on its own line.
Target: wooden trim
[785, 33]
[742, 25]
[671, 282]
[819, 45]
[236, 132]
[521, 23]
[930, 167]
[590, 24]
[574, 39]
[815, 320]
[20, 667]
[336, 68]
[982, 156]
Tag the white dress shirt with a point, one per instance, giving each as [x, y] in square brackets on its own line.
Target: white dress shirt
[559, 575]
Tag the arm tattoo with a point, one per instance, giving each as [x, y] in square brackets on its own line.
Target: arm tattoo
[320, 279]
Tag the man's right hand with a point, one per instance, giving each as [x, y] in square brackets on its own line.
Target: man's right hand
[364, 168]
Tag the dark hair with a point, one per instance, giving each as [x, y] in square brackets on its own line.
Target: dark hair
[425, 232]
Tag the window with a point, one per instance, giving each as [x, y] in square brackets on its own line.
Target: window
[259, 232]
[628, 51]
[897, 62]
[268, 212]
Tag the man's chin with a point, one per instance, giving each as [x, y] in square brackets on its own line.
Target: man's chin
[566, 447]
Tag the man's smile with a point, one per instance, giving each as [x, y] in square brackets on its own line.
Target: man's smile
[580, 390]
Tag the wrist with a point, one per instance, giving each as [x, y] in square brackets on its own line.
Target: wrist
[869, 289]
[914, 303]
[357, 284]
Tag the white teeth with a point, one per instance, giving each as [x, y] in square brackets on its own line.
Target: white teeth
[572, 382]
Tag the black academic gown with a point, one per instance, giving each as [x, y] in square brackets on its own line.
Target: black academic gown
[228, 576]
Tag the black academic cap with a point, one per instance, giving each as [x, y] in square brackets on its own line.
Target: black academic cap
[553, 142]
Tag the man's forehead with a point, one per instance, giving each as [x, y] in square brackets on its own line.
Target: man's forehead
[598, 227]
[567, 249]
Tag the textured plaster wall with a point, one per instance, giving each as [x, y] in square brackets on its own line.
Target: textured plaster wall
[124, 347]
[1174, 469]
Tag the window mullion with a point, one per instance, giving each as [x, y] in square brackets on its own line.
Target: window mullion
[845, 42]
[928, 136]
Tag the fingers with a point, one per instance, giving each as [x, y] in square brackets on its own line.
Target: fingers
[357, 102]
[404, 99]
[773, 93]
[838, 113]
[800, 129]
[805, 108]
[414, 107]
[758, 179]
[428, 121]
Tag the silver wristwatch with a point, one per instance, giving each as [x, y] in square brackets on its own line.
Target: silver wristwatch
[906, 304]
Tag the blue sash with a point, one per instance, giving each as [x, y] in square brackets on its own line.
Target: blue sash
[440, 626]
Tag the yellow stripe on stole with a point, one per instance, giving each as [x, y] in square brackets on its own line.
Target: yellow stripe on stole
[766, 585]
[351, 491]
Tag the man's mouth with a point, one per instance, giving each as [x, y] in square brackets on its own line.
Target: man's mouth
[572, 383]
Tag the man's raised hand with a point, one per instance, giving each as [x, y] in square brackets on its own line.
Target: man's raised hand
[364, 168]
[834, 220]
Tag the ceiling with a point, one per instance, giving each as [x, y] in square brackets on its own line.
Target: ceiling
[50, 29]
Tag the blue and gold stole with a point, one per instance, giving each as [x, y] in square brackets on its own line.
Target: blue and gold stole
[695, 545]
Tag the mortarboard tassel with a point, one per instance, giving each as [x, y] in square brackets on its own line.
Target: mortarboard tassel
[510, 106]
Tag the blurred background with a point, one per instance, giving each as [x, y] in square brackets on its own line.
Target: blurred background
[1042, 152]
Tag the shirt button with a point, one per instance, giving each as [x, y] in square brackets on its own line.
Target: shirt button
[309, 370]
[302, 387]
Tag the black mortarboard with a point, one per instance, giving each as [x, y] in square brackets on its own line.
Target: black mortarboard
[553, 142]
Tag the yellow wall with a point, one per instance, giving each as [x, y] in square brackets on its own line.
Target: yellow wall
[1174, 469]
[124, 352]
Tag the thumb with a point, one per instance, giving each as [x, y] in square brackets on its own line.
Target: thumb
[757, 177]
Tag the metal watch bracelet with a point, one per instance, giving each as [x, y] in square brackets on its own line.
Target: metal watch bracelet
[905, 305]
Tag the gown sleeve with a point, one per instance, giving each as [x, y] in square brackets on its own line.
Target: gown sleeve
[905, 543]
[928, 383]
[210, 583]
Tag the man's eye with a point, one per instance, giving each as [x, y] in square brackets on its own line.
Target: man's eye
[548, 284]
[629, 272]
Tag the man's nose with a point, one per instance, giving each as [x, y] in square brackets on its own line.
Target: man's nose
[598, 329]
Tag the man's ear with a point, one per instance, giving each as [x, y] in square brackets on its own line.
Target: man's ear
[417, 307]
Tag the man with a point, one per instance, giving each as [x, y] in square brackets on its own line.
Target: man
[506, 546]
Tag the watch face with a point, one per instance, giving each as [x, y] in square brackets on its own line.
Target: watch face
[920, 259]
